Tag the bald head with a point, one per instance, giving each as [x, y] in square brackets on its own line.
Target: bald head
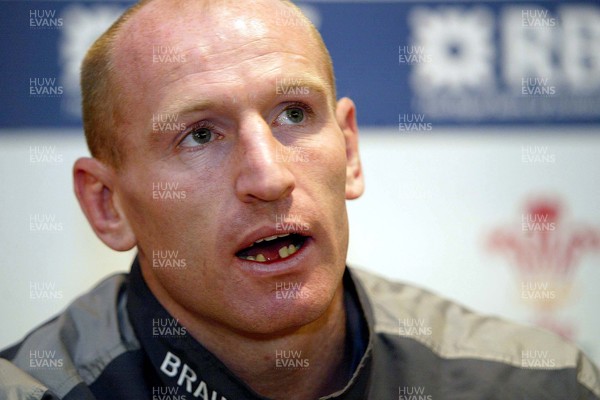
[118, 70]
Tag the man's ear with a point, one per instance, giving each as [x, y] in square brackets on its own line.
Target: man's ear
[93, 183]
[345, 114]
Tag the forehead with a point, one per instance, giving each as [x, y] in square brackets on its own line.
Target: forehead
[197, 42]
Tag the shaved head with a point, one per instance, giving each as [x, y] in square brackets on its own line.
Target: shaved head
[209, 121]
[111, 70]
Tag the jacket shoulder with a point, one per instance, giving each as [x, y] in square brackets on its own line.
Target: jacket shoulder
[73, 348]
[15, 384]
[452, 331]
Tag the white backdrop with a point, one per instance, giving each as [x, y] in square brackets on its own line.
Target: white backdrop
[432, 198]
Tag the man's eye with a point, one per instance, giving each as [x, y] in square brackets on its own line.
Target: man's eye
[291, 116]
[202, 135]
[198, 137]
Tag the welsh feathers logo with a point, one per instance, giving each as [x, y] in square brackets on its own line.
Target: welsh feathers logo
[545, 251]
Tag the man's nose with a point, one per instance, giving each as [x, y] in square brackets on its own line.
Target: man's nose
[262, 175]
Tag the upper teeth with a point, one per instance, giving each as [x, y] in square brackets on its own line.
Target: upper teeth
[269, 238]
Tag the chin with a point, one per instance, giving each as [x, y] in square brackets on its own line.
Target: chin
[284, 312]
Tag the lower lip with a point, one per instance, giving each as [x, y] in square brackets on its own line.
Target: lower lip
[280, 266]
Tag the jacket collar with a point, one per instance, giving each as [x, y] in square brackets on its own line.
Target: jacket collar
[185, 366]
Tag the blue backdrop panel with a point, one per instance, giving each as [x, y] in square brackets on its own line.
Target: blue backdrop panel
[442, 62]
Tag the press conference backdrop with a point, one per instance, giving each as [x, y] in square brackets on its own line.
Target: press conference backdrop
[480, 124]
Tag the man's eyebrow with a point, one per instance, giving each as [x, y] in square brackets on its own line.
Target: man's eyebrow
[168, 120]
[283, 87]
[311, 83]
[187, 105]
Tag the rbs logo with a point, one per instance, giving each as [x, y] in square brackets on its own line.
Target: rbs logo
[563, 48]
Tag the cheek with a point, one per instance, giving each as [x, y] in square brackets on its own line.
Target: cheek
[327, 165]
[169, 211]
[324, 177]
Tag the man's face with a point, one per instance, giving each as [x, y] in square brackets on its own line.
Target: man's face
[230, 138]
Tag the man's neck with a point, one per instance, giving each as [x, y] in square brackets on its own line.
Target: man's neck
[309, 362]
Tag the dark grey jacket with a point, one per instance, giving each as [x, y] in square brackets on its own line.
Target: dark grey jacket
[416, 346]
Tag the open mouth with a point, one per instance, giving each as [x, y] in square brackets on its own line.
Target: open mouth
[273, 248]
